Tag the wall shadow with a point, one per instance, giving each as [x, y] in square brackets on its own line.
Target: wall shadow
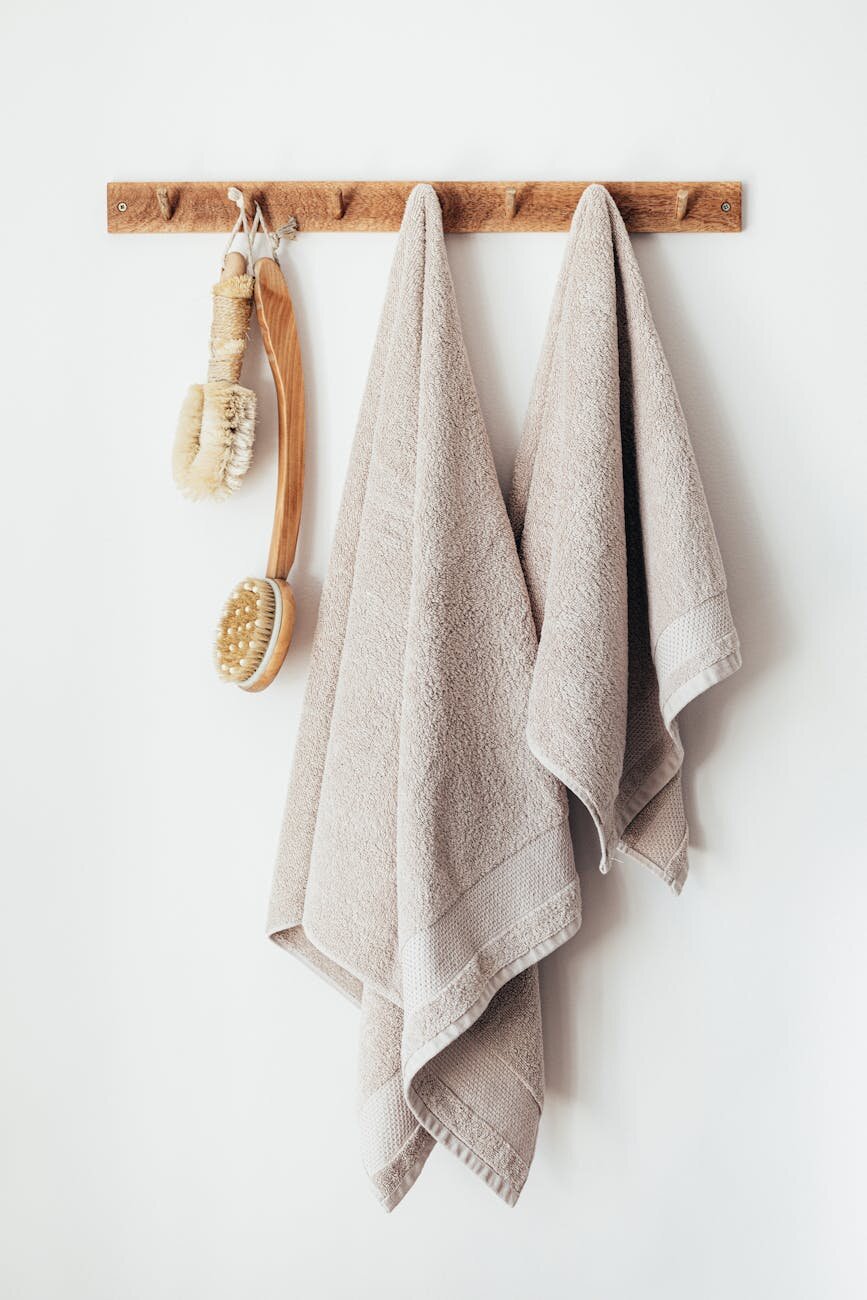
[763, 621]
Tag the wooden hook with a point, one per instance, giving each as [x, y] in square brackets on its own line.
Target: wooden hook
[238, 197]
[338, 205]
[511, 197]
[682, 201]
[165, 203]
[467, 205]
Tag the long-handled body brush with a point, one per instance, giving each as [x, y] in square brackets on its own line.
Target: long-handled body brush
[259, 615]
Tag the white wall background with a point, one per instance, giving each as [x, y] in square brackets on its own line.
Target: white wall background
[177, 1094]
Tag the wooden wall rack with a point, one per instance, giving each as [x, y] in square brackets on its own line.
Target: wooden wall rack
[166, 207]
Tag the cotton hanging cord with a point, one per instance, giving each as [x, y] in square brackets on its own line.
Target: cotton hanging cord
[287, 231]
[237, 197]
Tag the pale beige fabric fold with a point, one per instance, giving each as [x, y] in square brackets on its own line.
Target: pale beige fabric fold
[619, 552]
[425, 864]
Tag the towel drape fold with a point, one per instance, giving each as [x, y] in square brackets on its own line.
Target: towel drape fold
[619, 552]
[425, 864]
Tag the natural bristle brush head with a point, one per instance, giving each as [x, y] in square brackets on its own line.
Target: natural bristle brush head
[254, 632]
[214, 440]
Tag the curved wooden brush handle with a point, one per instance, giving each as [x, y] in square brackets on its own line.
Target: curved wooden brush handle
[280, 337]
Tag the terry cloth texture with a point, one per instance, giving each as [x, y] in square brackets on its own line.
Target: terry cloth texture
[425, 864]
[619, 552]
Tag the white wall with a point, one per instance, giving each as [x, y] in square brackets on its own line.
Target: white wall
[177, 1094]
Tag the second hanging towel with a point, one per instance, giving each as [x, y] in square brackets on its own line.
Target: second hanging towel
[619, 552]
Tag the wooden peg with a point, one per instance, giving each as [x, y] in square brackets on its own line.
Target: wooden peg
[165, 203]
[682, 201]
[238, 196]
[467, 205]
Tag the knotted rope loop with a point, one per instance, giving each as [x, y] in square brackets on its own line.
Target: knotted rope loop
[287, 231]
[237, 196]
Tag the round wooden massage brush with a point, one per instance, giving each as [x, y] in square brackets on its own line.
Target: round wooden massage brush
[259, 615]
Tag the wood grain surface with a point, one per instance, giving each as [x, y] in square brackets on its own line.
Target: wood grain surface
[138, 207]
[280, 339]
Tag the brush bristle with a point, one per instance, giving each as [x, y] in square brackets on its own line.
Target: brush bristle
[214, 440]
[245, 630]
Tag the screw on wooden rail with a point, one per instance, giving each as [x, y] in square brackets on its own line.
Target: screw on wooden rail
[726, 207]
[121, 207]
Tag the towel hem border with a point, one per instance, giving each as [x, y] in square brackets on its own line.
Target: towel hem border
[428, 1050]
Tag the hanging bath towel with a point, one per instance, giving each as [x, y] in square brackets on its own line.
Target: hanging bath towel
[619, 552]
[425, 862]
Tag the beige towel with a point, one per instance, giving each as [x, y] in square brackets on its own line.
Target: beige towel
[425, 862]
[619, 553]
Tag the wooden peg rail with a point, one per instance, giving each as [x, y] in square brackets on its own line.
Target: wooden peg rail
[165, 207]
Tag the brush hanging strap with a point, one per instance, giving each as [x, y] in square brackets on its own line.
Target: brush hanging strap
[237, 197]
[274, 237]
[232, 307]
